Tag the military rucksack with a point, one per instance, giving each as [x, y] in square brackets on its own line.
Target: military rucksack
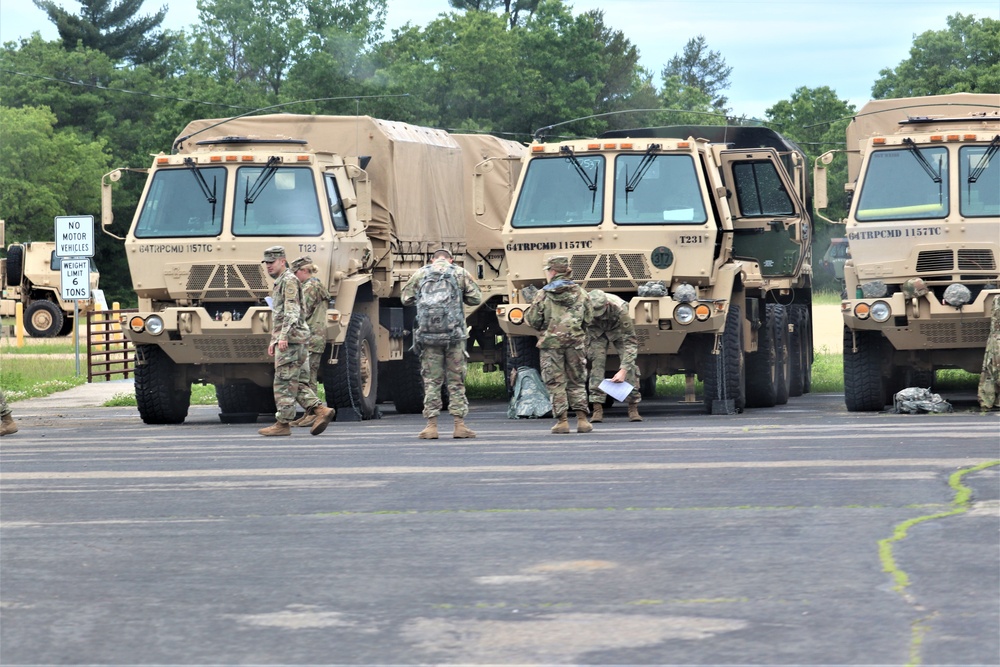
[440, 316]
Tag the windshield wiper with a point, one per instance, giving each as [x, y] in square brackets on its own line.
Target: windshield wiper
[984, 159]
[263, 178]
[644, 165]
[936, 177]
[205, 190]
[591, 184]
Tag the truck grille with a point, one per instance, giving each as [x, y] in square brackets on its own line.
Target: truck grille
[969, 259]
[610, 271]
[214, 349]
[227, 282]
[955, 333]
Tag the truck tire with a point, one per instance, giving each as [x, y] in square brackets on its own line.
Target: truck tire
[43, 319]
[762, 375]
[352, 383]
[728, 364]
[865, 388]
[67, 327]
[801, 354]
[242, 402]
[519, 351]
[15, 265]
[408, 385]
[778, 317]
[157, 395]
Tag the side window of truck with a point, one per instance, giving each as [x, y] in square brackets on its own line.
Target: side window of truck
[335, 204]
[759, 190]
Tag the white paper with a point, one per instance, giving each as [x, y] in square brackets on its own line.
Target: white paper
[269, 301]
[616, 390]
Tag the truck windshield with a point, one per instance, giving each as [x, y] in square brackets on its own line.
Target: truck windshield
[559, 191]
[276, 201]
[897, 185]
[979, 197]
[176, 206]
[657, 189]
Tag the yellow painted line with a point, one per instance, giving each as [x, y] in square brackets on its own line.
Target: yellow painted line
[465, 470]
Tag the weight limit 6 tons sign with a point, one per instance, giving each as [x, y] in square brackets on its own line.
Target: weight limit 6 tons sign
[74, 246]
[75, 279]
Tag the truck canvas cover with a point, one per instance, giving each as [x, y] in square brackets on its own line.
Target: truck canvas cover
[501, 179]
[421, 213]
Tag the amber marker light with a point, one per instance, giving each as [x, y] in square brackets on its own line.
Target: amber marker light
[515, 315]
[162, 160]
[879, 141]
[937, 137]
[302, 158]
[538, 149]
[861, 311]
[683, 144]
[136, 324]
[248, 158]
[702, 312]
[231, 158]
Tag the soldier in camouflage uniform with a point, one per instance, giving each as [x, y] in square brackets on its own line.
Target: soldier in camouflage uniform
[289, 347]
[612, 326]
[444, 364]
[7, 425]
[561, 311]
[989, 380]
[315, 298]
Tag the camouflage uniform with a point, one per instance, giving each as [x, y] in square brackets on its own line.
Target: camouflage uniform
[612, 326]
[561, 311]
[315, 298]
[989, 380]
[291, 366]
[7, 425]
[440, 364]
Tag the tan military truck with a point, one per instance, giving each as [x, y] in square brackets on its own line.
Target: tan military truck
[369, 200]
[924, 235]
[31, 276]
[704, 231]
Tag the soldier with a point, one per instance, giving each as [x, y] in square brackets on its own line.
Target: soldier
[439, 290]
[561, 311]
[989, 380]
[613, 326]
[289, 340]
[7, 425]
[314, 303]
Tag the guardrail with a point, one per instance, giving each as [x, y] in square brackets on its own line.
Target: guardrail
[109, 353]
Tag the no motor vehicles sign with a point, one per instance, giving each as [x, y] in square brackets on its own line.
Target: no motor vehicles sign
[75, 236]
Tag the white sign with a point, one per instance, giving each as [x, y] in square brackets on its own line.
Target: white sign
[75, 236]
[75, 279]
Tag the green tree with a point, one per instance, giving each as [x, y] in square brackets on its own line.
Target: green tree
[700, 68]
[113, 29]
[963, 58]
[515, 10]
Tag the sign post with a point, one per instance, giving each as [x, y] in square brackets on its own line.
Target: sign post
[75, 247]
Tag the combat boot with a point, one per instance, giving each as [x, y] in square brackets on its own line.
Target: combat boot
[461, 430]
[582, 425]
[279, 428]
[305, 420]
[633, 412]
[597, 413]
[430, 431]
[7, 425]
[323, 417]
[562, 425]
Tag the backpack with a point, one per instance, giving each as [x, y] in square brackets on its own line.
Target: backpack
[530, 399]
[440, 316]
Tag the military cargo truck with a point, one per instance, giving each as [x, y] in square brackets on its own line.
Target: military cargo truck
[923, 229]
[369, 200]
[31, 275]
[704, 231]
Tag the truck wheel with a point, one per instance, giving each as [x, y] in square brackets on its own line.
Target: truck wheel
[803, 329]
[157, 394]
[43, 319]
[67, 327]
[778, 318]
[518, 351]
[724, 373]
[15, 265]
[408, 389]
[864, 386]
[352, 383]
[241, 402]
[647, 387]
[762, 374]
[795, 352]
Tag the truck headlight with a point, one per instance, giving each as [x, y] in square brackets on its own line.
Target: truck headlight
[881, 311]
[154, 325]
[684, 314]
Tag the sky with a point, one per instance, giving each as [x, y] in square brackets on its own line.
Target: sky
[773, 46]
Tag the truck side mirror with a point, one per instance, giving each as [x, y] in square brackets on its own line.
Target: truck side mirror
[107, 215]
[363, 192]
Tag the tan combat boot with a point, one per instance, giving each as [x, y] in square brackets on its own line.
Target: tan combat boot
[324, 416]
[305, 420]
[562, 426]
[633, 412]
[7, 425]
[582, 425]
[430, 431]
[597, 413]
[279, 428]
[461, 430]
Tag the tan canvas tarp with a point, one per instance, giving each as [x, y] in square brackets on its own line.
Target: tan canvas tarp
[417, 173]
[883, 116]
[500, 179]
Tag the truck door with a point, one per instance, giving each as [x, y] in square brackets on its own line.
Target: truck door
[768, 217]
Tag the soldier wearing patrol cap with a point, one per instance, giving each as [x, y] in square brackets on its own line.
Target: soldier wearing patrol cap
[315, 298]
[561, 311]
[612, 327]
[289, 347]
